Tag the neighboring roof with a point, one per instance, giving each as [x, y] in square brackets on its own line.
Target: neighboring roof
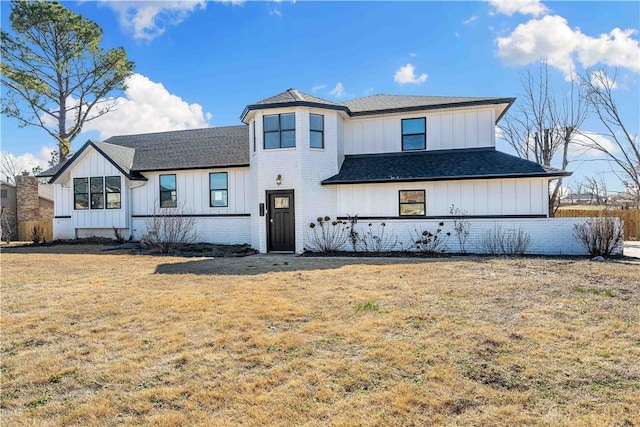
[441, 165]
[379, 104]
[292, 98]
[45, 191]
[187, 149]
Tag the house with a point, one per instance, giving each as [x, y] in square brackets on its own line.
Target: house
[401, 160]
[24, 203]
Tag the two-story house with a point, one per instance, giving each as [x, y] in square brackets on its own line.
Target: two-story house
[401, 160]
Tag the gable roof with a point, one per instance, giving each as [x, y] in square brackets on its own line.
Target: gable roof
[187, 149]
[292, 98]
[384, 104]
[441, 165]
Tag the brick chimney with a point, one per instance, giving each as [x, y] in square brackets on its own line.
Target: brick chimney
[27, 202]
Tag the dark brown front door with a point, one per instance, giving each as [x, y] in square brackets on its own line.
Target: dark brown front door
[280, 222]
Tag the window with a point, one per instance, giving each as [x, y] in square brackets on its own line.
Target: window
[168, 193]
[112, 185]
[3, 194]
[412, 203]
[81, 193]
[218, 190]
[279, 130]
[414, 134]
[97, 192]
[254, 136]
[316, 127]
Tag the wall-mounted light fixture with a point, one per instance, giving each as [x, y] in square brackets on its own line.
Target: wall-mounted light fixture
[279, 179]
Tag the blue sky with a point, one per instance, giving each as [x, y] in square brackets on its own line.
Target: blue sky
[199, 63]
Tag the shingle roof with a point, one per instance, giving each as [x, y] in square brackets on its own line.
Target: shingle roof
[391, 103]
[185, 149]
[188, 149]
[291, 98]
[293, 95]
[441, 165]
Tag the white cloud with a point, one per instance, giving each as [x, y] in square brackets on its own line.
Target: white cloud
[585, 141]
[318, 87]
[523, 7]
[600, 79]
[148, 107]
[470, 20]
[150, 19]
[407, 74]
[412, 54]
[28, 161]
[552, 39]
[338, 90]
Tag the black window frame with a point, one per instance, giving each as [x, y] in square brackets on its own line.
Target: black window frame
[424, 134]
[96, 193]
[254, 136]
[76, 193]
[107, 192]
[312, 131]
[424, 203]
[279, 131]
[175, 190]
[226, 190]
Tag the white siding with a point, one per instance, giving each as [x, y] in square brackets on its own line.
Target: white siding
[477, 197]
[63, 196]
[193, 192]
[93, 164]
[220, 230]
[446, 129]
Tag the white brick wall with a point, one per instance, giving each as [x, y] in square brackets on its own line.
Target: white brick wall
[63, 228]
[549, 236]
[222, 230]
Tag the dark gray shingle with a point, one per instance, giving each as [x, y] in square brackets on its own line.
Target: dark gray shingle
[402, 102]
[436, 166]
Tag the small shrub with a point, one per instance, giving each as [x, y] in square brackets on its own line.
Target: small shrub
[117, 235]
[327, 236]
[431, 243]
[169, 230]
[5, 227]
[354, 236]
[461, 226]
[37, 235]
[600, 236]
[509, 241]
[376, 241]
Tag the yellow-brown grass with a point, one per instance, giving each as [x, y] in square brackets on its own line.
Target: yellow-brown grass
[113, 339]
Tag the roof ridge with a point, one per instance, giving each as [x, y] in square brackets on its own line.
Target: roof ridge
[171, 131]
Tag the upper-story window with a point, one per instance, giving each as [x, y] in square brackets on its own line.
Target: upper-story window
[414, 133]
[316, 129]
[279, 130]
[168, 193]
[218, 189]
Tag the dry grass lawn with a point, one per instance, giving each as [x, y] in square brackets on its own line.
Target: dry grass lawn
[98, 339]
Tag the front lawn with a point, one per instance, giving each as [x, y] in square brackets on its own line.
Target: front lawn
[90, 338]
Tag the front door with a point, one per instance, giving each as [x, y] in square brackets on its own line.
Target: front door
[280, 222]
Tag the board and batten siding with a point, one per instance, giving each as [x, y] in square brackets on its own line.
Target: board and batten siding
[63, 196]
[93, 164]
[192, 188]
[494, 197]
[459, 129]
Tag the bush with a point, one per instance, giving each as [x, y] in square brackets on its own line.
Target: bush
[376, 241]
[117, 235]
[600, 236]
[327, 236]
[431, 243]
[461, 226]
[169, 230]
[510, 241]
[37, 235]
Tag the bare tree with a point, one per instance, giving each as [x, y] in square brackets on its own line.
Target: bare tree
[10, 167]
[596, 188]
[545, 123]
[599, 86]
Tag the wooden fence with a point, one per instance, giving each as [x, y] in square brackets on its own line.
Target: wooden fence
[631, 218]
[25, 230]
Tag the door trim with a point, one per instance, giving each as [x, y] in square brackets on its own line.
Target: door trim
[268, 194]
